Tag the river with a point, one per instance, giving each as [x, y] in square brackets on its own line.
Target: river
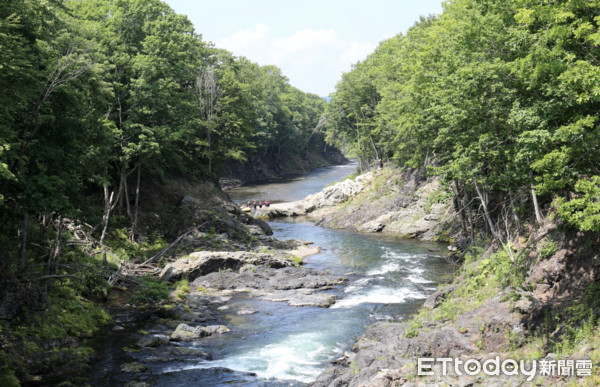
[388, 279]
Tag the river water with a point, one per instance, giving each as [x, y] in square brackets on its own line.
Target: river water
[388, 279]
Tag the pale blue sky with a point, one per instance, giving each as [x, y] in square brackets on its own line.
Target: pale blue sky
[313, 42]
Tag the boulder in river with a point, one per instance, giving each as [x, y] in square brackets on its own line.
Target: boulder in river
[150, 341]
[372, 226]
[204, 262]
[298, 286]
[185, 332]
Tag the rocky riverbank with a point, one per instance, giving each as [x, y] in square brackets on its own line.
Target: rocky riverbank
[529, 301]
[486, 317]
[385, 200]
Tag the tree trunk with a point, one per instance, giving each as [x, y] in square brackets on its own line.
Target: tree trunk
[120, 196]
[538, 214]
[459, 206]
[471, 224]
[107, 207]
[514, 212]
[467, 205]
[536, 207]
[134, 226]
[45, 224]
[483, 199]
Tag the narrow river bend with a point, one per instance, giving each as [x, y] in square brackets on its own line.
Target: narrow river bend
[280, 345]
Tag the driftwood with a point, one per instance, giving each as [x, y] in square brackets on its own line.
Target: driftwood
[176, 241]
[124, 275]
[128, 273]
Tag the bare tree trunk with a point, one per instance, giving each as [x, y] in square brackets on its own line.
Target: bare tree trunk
[134, 226]
[536, 207]
[107, 207]
[538, 214]
[208, 93]
[113, 204]
[23, 243]
[483, 199]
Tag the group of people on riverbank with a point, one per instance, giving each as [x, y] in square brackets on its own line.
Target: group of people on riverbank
[254, 204]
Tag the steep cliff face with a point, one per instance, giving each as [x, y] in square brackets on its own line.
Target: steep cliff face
[261, 168]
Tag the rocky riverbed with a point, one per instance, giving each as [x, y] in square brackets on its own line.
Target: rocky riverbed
[470, 319]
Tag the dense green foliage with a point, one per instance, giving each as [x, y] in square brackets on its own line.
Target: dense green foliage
[500, 97]
[99, 97]
[100, 94]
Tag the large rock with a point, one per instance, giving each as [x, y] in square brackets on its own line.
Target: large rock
[267, 278]
[149, 341]
[185, 332]
[298, 286]
[372, 226]
[205, 262]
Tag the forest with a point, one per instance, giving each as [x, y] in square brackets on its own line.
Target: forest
[97, 94]
[98, 98]
[501, 98]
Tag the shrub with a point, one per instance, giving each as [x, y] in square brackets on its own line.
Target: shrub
[151, 290]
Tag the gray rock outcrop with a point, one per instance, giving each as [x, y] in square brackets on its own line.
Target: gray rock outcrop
[205, 262]
[297, 286]
[328, 197]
